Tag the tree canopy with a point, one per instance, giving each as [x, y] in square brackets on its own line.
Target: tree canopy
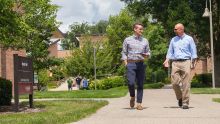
[28, 24]
[82, 60]
[188, 12]
[77, 29]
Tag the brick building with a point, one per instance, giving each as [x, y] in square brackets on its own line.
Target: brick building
[55, 47]
[7, 63]
[204, 65]
[93, 38]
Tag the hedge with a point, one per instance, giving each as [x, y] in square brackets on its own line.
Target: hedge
[5, 92]
[202, 80]
[108, 83]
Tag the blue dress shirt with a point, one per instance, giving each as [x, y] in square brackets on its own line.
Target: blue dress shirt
[182, 48]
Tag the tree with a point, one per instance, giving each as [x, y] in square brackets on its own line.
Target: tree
[158, 45]
[28, 24]
[40, 18]
[188, 12]
[11, 25]
[82, 60]
[99, 28]
[120, 26]
[77, 29]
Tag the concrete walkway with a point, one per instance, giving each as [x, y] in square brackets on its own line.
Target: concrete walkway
[160, 108]
[63, 87]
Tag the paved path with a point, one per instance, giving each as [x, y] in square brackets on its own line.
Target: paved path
[160, 108]
[63, 87]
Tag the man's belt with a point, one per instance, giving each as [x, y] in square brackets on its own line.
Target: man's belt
[180, 60]
[129, 61]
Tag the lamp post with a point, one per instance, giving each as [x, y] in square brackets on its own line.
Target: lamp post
[208, 13]
[94, 52]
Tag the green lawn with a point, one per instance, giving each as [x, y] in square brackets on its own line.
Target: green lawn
[205, 91]
[51, 85]
[54, 112]
[111, 93]
[216, 100]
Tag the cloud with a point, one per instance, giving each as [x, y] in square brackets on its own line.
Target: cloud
[90, 11]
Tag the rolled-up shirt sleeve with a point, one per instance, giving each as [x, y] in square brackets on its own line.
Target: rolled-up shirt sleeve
[124, 50]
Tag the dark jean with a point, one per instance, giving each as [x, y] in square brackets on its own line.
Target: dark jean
[136, 73]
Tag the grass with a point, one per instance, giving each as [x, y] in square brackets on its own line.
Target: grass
[216, 100]
[153, 86]
[54, 112]
[111, 93]
[51, 85]
[205, 91]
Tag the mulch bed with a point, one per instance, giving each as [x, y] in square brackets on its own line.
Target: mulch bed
[23, 108]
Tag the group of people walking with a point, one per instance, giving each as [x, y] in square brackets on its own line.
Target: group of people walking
[78, 82]
[181, 55]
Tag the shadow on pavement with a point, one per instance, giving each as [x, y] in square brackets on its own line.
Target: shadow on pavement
[134, 108]
[175, 107]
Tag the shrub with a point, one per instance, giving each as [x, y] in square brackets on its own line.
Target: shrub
[57, 74]
[154, 85]
[157, 76]
[43, 79]
[5, 92]
[161, 75]
[108, 83]
[167, 80]
[121, 70]
[202, 80]
[149, 74]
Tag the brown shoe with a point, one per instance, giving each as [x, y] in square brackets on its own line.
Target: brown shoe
[132, 102]
[139, 107]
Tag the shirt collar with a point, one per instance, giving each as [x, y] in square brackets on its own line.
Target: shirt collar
[181, 37]
[137, 38]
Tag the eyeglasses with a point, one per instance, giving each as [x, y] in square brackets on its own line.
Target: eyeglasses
[175, 29]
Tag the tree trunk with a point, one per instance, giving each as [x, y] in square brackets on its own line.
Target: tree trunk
[216, 38]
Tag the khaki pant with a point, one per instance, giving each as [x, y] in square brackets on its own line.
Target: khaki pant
[181, 74]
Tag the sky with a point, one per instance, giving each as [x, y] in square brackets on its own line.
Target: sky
[90, 11]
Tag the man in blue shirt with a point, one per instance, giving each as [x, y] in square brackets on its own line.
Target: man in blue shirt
[182, 52]
[85, 83]
[135, 50]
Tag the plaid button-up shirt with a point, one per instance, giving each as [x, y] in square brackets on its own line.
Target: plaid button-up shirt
[134, 47]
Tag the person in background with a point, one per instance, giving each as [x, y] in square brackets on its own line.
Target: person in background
[69, 83]
[85, 83]
[78, 81]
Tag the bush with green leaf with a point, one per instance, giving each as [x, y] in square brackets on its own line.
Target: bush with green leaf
[108, 83]
[43, 79]
[202, 80]
[5, 92]
[157, 76]
[167, 80]
[81, 62]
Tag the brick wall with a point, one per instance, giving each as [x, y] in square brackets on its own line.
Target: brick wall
[7, 63]
[217, 71]
[63, 53]
[203, 65]
[53, 50]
